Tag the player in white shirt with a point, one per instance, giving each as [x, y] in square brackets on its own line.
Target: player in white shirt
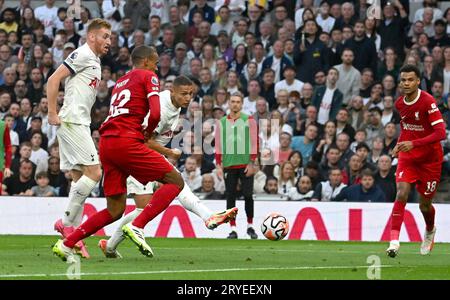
[82, 72]
[171, 104]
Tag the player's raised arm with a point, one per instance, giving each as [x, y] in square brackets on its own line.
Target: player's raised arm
[52, 92]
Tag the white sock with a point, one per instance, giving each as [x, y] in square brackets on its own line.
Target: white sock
[233, 228]
[78, 194]
[193, 203]
[249, 225]
[118, 236]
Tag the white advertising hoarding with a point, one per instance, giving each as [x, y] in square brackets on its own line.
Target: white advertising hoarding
[308, 220]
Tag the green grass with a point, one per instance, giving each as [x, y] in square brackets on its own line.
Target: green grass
[220, 259]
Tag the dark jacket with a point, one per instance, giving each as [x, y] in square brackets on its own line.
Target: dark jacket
[336, 102]
[355, 193]
[312, 60]
[394, 35]
[267, 63]
[365, 53]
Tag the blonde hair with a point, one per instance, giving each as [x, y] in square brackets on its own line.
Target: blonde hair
[98, 24]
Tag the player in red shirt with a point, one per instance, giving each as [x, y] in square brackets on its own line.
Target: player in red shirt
[419, 154]
[124, 153]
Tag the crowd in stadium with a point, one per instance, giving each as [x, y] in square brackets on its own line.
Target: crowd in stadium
[324, 73]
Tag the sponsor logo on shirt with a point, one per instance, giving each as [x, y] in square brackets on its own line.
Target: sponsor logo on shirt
[433, 109]
[412, 127]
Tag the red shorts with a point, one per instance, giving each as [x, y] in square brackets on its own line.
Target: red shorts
[426, 176]
[122, 157]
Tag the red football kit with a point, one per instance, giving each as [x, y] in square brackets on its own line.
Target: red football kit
[422, 123]
[122, 151]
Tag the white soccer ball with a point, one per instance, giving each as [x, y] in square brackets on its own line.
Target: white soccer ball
[275, 227]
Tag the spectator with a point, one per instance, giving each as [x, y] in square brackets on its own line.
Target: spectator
[312, 171]
[343, 124]
[360, 136]
[35, 87]
[385, 178]
[302, 191]
[192, 174]
[389, 114]
[390, 138]
[168, 42]
[268, 87]
[352, 172]
[349, 77]
[253, 96]
[180, 63]
[367, 79]
[204, 32]
[323, 17]
[285, 149]
[262, 110]
[207, 11]
[249, 73]
[343, 143]
[207, 188]
[347, 16]
[366, 191]
[327, 139]
[26, 111]
[56, 177]
[138, 12]
[48, 15]
[165, 69]
[278, 61]
[271, 186]
[363, 150]
[310, 54]
[332, 157]
[305, 144]
[238, 166]
[440, 37]
[224, 48]
[375, 127]
[286, 178]
[223, 24]
[38, 155]
[267, 38]
[436, 12]
[42, 189]
[328, 99]
[289, 83]
[113, 12]
[376, 151]
[365, 53]
[392, 28]
[330, 189]
[6, 56]
[20, 183]
[240, 59]
[154, 33]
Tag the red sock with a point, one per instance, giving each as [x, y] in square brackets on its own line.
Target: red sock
[429, 218]
[160, 201]
[249, 220]
[91, 226]
[233, 222]
[398, 212]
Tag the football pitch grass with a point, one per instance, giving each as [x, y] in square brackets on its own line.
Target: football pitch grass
[30, 257]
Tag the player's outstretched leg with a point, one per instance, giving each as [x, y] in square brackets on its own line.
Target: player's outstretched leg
[116, 207]
[173, 185]
[109, 247]
[220, 218]
[428, 242]
[64, 252]
[192, 203]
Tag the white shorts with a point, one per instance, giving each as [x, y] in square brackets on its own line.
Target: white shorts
[137, 188]
[76, 147]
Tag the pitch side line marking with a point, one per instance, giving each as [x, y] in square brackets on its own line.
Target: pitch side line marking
[192, 271]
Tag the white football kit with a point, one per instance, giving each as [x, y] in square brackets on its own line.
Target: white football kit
[74, 135]
[166, 126]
